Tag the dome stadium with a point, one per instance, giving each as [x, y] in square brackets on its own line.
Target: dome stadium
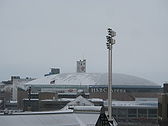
[86, 79]
[91, 84]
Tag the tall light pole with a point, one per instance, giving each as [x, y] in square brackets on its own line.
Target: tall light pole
[110, 42]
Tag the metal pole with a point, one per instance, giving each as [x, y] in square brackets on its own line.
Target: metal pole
[110, 42]
[110, 83]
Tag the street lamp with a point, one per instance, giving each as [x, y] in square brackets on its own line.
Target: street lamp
[110, 42]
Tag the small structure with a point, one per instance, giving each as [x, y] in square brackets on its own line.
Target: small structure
[80, 101]
[53, 71]
[81, 66]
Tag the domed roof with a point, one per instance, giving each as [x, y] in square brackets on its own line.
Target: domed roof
[91, 79]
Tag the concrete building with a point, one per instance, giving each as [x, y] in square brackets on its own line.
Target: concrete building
[8, 91]
[16, 81]
[81, 66]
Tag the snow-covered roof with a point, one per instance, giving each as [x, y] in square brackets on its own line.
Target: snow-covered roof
[50, 119]
[95, 100]
[80, 101]
[66, 99]
[88, 108]
[91, 79]
[13, 102]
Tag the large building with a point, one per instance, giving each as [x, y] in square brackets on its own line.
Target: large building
[93, 85]
[89, 85]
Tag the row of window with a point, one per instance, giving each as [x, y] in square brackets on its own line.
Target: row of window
[134, 113]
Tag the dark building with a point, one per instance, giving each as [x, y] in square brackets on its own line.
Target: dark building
[163, 107]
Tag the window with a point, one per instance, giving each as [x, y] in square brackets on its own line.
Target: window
[132, 112]
[122, 113]
[142, 113]
[114, 112]
[152, 112]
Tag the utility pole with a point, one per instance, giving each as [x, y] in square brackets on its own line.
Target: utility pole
[110, 42]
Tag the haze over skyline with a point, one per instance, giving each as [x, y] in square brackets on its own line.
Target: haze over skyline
[36, 35]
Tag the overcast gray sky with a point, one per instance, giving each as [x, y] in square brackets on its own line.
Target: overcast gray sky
[36, 35]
